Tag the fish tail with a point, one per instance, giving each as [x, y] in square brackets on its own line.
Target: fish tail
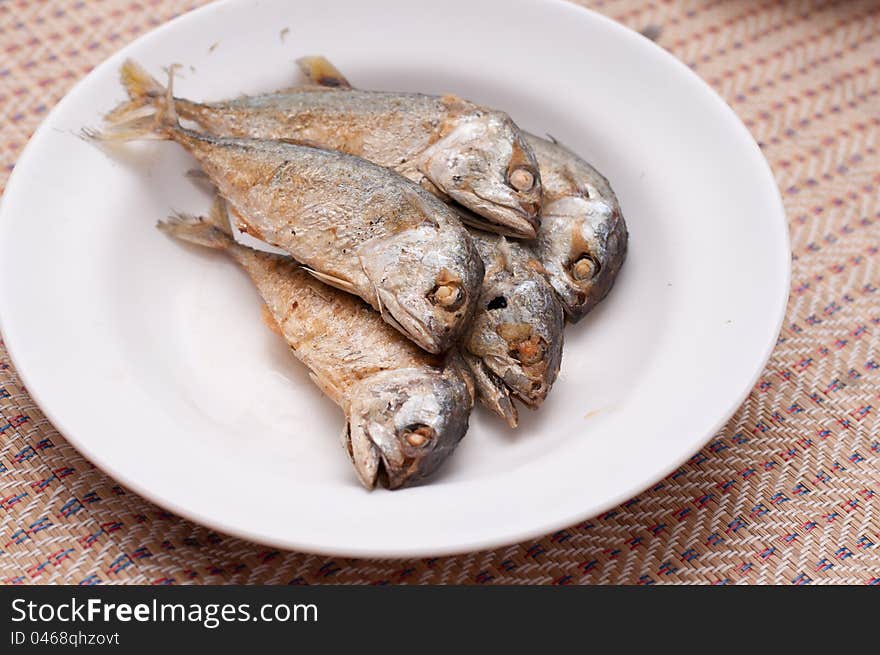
[219, 216]
[131, 130]
[149, 115]
[138, 83]
[211, 231]
[143, 91]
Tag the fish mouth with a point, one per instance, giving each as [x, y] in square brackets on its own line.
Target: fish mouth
[365, 456]
[493, 391]
[511, 223]
[520, 217]
[406, 321]
[500, 379]
[377, 456]
[530, 387]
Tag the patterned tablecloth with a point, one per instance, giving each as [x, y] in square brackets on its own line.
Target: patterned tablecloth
[786, 493]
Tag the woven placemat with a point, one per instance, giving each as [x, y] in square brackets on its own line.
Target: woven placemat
[786, 493]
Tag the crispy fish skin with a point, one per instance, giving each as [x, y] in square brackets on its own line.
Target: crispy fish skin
[472, 154]
[582, 241]
[358, 226]
[514, 345]
[406, 410]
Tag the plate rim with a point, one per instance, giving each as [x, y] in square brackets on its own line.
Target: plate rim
[460, 545]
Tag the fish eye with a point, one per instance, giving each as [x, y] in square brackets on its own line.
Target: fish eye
[498, 302]
[448, 295]
[584, 268]
[418, 435]
[521, 179]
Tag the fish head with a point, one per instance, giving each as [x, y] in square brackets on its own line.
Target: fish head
[404, 423]
[427, 281]
[582, 243]
[484, 164]
[517, 332]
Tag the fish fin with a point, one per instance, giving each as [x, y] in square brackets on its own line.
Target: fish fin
[504, 255]
[129, 111]
[137, 129]
[196, 229]
[240, 223]
[332, 280]
[132, 125]
[379, 306]
[167, 111]
[142, 90]
[138, 82]
[201, 178]
[219, 216]
[319, 71]
[269, 320]
[302, 142]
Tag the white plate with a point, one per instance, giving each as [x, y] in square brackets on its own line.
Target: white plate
[152, 360]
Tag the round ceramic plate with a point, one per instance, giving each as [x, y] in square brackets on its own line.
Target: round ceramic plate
[151, 357]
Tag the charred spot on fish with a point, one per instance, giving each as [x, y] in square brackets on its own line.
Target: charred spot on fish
[523, 344]
[348, 445]
[418, 435]
[529, 352]
[537, 385]
[584, 268]
[498, 302]
[326, 80]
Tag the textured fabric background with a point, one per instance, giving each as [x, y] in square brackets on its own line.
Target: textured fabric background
[787, 493]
